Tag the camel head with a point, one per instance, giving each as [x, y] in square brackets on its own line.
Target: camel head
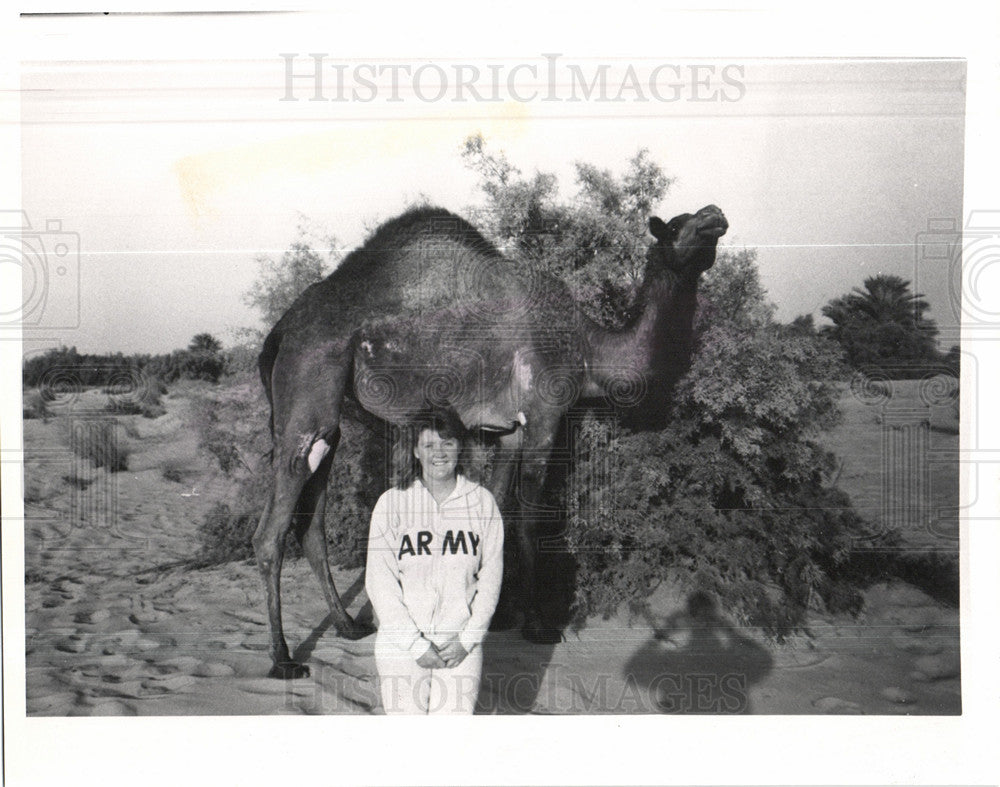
[686, 244]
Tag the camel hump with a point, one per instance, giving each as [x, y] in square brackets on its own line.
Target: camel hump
[420, 224]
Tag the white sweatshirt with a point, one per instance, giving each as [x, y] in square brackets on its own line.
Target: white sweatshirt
[434, 571]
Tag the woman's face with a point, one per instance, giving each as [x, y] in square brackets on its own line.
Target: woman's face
[438, 456]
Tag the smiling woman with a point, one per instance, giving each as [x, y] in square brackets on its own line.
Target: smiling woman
[430, 449]
[435, 564]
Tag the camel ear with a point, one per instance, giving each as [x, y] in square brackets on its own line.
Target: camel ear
[658, 228]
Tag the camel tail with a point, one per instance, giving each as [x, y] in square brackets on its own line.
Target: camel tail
[265, 364]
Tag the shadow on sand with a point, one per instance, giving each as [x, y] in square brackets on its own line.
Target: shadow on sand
[305, 649]
[514, 668]
[513, 671]
[697, 662]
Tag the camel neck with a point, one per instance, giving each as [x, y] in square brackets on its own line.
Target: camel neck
[655, 345]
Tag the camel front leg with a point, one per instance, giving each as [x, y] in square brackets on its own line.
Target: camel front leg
[533, 472]
[539, 437]
[509, 613]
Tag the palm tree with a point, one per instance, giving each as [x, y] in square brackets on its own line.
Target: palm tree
[883, 324]
[887, 298]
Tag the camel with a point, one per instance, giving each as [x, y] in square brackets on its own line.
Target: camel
[428, 313]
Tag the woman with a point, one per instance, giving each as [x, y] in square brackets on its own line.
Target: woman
[435, 563]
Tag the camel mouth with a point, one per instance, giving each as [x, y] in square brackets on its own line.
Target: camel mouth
[716, 228]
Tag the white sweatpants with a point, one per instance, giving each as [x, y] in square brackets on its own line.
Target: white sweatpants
[406, 687]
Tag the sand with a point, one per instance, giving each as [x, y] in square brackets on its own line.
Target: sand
[117, 624]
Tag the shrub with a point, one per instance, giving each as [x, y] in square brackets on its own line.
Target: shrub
[241, 359]
[643, 508]
[358, 476]
[98, 440]
[177, 472]
[224, 535]
[35, 406]
[77, 481]
[936, 573]
[231, 422]
[731, 496]
[145, 399]
[883, 325]
[202, 365]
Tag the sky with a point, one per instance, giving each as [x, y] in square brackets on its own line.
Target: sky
[176, 174]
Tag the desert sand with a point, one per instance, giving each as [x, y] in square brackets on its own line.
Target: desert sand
[118, 624]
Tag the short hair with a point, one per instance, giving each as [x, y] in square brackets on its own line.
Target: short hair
[405, 466]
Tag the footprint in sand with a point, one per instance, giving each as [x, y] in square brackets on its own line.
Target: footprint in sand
[167, 683]
[185, 664]
[126, 642]
[248, 616]
[147, 615]
[135, 672]
[924, 646]
[113, 708]
[114, 661]
[897, 695]
[271, 686]
[933, 668]
[74, 643]
[214, 669]
[92, 617]
[51, 704]
[132, 689]
[835, 705]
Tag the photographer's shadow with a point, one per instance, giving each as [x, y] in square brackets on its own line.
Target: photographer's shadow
[513, 672]
[697, 662]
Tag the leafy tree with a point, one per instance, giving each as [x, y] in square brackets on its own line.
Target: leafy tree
[731, 293]
[802, 325]
[732, 495]
[205, 342]
[282, 280]
[203, 359]
[953, 359]
[596, 242]
[882, 325]
[309, 259]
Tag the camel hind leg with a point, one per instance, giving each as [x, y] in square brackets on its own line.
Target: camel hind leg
[311, 532]
[306, 402]
[269, 547]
